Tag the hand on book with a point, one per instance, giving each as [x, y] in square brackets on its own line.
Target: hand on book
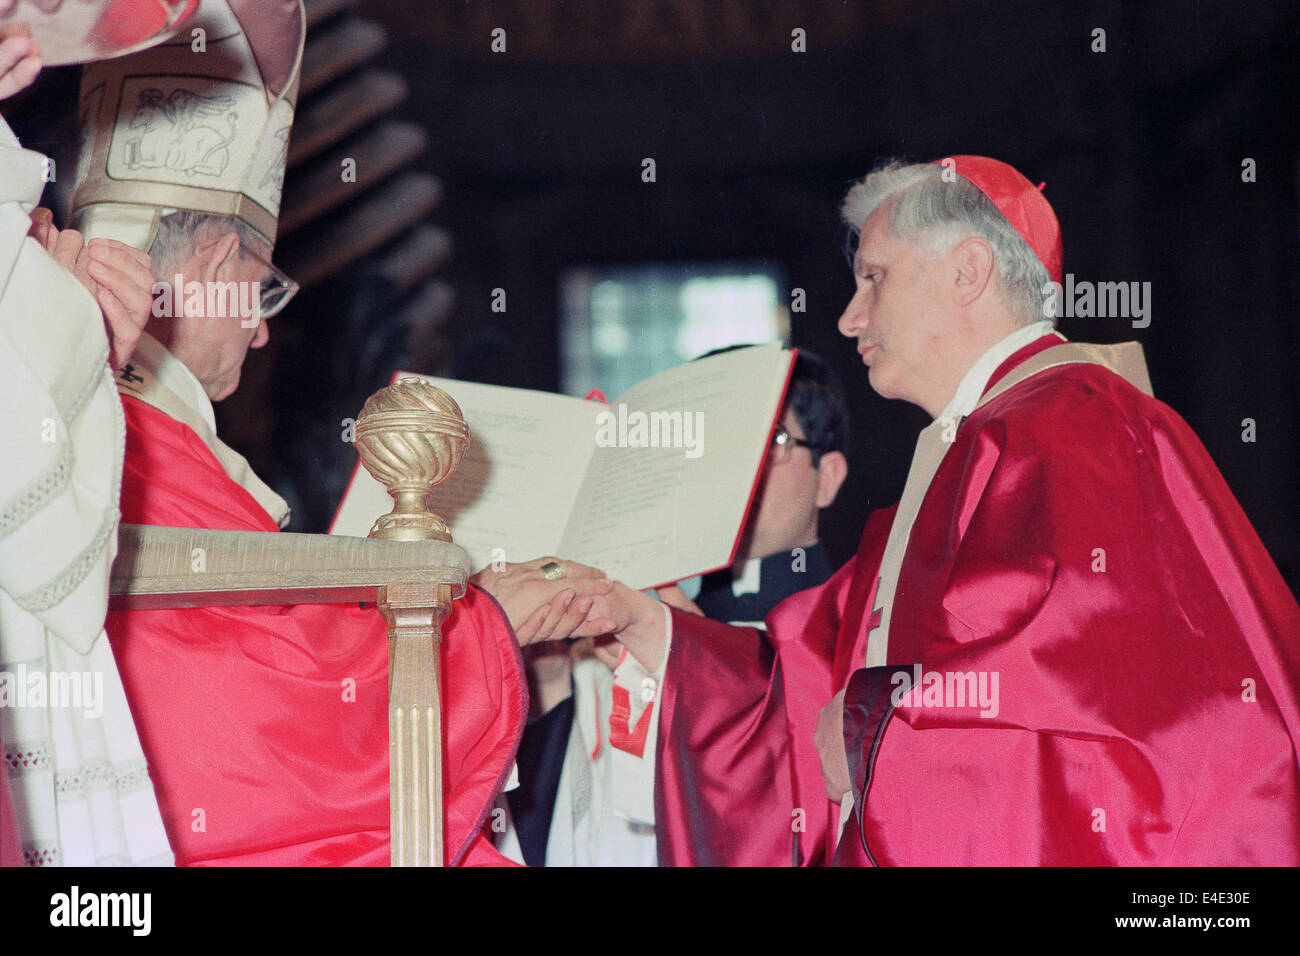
[547, 610]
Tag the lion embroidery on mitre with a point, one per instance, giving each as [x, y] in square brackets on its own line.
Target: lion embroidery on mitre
[174, 133]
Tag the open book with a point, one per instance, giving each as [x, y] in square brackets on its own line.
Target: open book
[651, 488]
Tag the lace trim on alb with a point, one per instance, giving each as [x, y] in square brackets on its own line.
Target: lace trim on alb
[28, 757]
[48, 853]
[101, 775]
[43, 853]
[46, 486]
[32, 498]
[42, 599]
[78, 405]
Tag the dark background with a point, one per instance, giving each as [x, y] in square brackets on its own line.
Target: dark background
[537, 156]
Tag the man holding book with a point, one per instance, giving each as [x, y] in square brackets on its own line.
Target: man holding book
[780, 552]
[1065, 644]
[586, 761]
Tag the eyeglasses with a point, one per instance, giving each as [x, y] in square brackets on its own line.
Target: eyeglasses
[782, 444]
[276, 293]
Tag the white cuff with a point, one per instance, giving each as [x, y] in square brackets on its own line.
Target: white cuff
[633, 776]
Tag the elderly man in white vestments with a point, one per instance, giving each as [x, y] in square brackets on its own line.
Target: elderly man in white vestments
[74, 788]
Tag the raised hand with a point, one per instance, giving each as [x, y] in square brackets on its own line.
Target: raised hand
[120, 277]
[125, 293]
[20, 59]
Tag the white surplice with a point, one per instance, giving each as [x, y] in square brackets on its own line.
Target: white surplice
[604, 802]
[74, 789]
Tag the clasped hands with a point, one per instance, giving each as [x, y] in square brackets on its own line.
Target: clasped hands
[585, 603]
[581, 603]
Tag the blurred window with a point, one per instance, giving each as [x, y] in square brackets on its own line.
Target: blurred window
[622, 324]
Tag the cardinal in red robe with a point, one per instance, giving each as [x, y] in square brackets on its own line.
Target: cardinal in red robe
[1065, 645]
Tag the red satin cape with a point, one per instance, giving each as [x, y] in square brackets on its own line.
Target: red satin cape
[266, 728]
[1078, 543]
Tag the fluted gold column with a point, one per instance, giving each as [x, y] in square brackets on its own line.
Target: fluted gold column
[411, 436]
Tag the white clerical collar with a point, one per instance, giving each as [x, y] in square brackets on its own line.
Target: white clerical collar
[977, 379]
[749, 580]
[175, 376]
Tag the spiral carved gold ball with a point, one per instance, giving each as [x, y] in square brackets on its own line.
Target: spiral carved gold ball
[411, 436]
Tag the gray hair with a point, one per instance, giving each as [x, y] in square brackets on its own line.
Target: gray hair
[938, 214]
[180, 233]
